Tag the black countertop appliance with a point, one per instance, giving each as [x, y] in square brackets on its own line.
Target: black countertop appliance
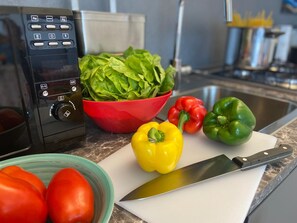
[40, 94]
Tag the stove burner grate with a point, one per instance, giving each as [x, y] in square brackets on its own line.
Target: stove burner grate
[280, 75]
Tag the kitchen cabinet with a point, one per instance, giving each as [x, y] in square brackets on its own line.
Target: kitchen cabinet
[280, 205]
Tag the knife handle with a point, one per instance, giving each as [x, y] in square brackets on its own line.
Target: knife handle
[264, 157]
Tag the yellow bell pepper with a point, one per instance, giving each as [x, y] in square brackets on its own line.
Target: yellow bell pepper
[157, 146]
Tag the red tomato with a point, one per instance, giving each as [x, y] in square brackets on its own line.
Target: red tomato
[20, 201]
[18, 172]
[70, 197]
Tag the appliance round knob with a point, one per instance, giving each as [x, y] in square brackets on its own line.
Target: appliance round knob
[63, 111]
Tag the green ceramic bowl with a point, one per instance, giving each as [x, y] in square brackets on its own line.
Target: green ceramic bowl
[46, 165]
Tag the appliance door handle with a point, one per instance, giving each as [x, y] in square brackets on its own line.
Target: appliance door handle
[16, 152]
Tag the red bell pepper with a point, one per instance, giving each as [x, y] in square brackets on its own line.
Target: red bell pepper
[18, 172]
[187, 114]
[20, 201]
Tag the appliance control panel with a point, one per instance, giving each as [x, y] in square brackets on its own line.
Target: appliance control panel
[53, 60]
[49, 29]
[60, 105]
[40, 80]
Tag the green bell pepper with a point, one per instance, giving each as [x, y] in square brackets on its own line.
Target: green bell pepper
[230, 122]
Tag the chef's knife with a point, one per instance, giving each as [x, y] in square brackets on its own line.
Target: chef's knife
[204, 170]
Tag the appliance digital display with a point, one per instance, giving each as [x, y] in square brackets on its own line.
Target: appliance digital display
[54, 67]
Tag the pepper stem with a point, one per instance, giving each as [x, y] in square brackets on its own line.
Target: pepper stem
[222, 119]
[155, 135]
[182, 119]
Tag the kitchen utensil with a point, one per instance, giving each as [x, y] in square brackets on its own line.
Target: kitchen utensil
[124, 116]
[99, 32]
[223, 199]
[233, 45]
[46, 165]
[257, 48]
[283, 45]
[213, 167]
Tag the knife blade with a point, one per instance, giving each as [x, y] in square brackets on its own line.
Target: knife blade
[206, 169]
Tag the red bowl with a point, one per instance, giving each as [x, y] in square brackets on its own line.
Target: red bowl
[124, 116]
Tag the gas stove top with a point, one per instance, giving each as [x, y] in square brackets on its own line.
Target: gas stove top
[278, 74]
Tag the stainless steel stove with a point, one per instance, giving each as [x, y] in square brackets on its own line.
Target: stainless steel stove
[282, 75]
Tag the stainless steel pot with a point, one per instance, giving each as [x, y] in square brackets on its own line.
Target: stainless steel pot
[257, 48]
[233, 45]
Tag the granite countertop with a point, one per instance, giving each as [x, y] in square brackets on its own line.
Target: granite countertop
[98, 144]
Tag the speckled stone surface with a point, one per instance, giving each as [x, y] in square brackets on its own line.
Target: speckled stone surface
[98, 144]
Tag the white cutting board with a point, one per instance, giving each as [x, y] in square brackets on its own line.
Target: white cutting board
[224, 199]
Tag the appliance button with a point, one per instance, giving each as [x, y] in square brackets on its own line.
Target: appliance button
[51, 35]
[66, 43]
[65, 35]
[53, 43]
[49, 18]
[35, 26]
[63, 18]
[50, 26]
[37, 36]
[65, 27]
[43, 86]
[73, 88]
[72, 82]
[45, 93]
[38, 44]
[34, 18]
[61, 98]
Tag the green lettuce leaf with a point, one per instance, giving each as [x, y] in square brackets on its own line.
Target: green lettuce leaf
[136, 74]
